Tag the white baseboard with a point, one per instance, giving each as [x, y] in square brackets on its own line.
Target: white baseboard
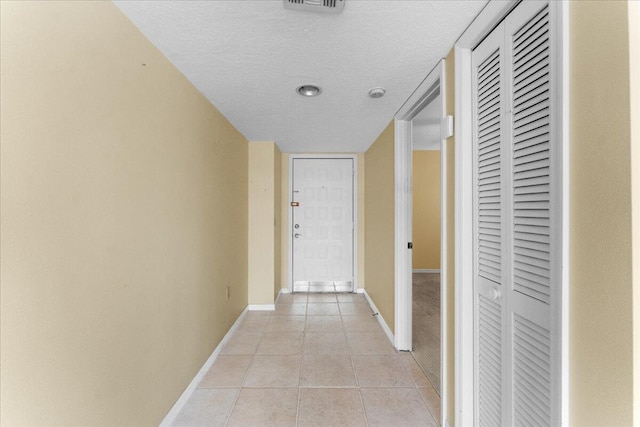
[186, 394]
[381, 320]
[426, 270]
[282, 291]
[261, 307]
[360, 291]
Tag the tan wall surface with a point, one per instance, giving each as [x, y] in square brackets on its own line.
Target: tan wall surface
[286, 210]
[277, 232]
[262, 222]
[601, 353]
[361, 221]
[123, 217]
[450, 233]
[426, 209]
[634, 74]
[379, 216]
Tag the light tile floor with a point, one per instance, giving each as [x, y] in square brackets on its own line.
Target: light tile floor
[317, 360]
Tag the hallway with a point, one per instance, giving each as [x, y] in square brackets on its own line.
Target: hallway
[318, 359]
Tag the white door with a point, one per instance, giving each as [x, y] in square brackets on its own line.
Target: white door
[516, 224]
[322, 233]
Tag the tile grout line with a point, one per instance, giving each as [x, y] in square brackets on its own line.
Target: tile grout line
[226, 422]
[304, 339]
[437, 421]
[364, 410]
[298, 407]
[235, 401]
[353, 366]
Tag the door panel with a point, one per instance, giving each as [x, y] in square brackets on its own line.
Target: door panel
[322, 234]
[489, 235]
[533, 216]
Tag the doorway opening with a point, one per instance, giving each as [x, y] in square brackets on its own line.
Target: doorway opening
[426, 213]
[425, 333]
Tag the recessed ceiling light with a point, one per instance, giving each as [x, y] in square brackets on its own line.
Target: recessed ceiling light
[377, 92]
[309, 90]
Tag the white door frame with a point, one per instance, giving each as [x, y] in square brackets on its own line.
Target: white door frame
[433, 85]
[353, 157]
[484, 23]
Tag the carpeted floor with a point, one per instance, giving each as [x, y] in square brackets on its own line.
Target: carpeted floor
[426, 325]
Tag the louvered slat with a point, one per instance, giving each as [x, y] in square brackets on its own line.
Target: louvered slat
[489, 362]
[531, 373]
[489, 168]
[531, 166]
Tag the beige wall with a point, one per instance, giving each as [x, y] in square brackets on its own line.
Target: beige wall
[277, 220]
[361, 221]
[426, 209]
[286, 209]
[123, 216]
[449, 199]
[264, 208]
[379, 216]
[601, 329]
[634, 74]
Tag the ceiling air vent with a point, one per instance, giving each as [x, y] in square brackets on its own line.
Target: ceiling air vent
[325, 6]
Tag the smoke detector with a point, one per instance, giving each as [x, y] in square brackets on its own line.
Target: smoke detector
[377, 92]
[325, 6]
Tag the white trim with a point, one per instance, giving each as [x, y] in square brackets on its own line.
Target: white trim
[462, 232]
[261, 307]
[193, 385]
[423, 95]
[562, 11]
[403, 267]
[378, 316]
[420, 97]
[488, 18]
[426, 270]
[430, 87]
[444, 294]
[354, 157]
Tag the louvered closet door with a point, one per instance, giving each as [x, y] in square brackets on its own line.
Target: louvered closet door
[517, 329]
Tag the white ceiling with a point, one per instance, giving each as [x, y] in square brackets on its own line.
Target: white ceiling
[425, 127]
[248, 56]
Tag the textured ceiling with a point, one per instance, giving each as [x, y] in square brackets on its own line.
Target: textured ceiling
[248, 57]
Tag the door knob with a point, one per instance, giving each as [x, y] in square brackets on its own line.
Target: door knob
[495, 293]
[297, 235]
